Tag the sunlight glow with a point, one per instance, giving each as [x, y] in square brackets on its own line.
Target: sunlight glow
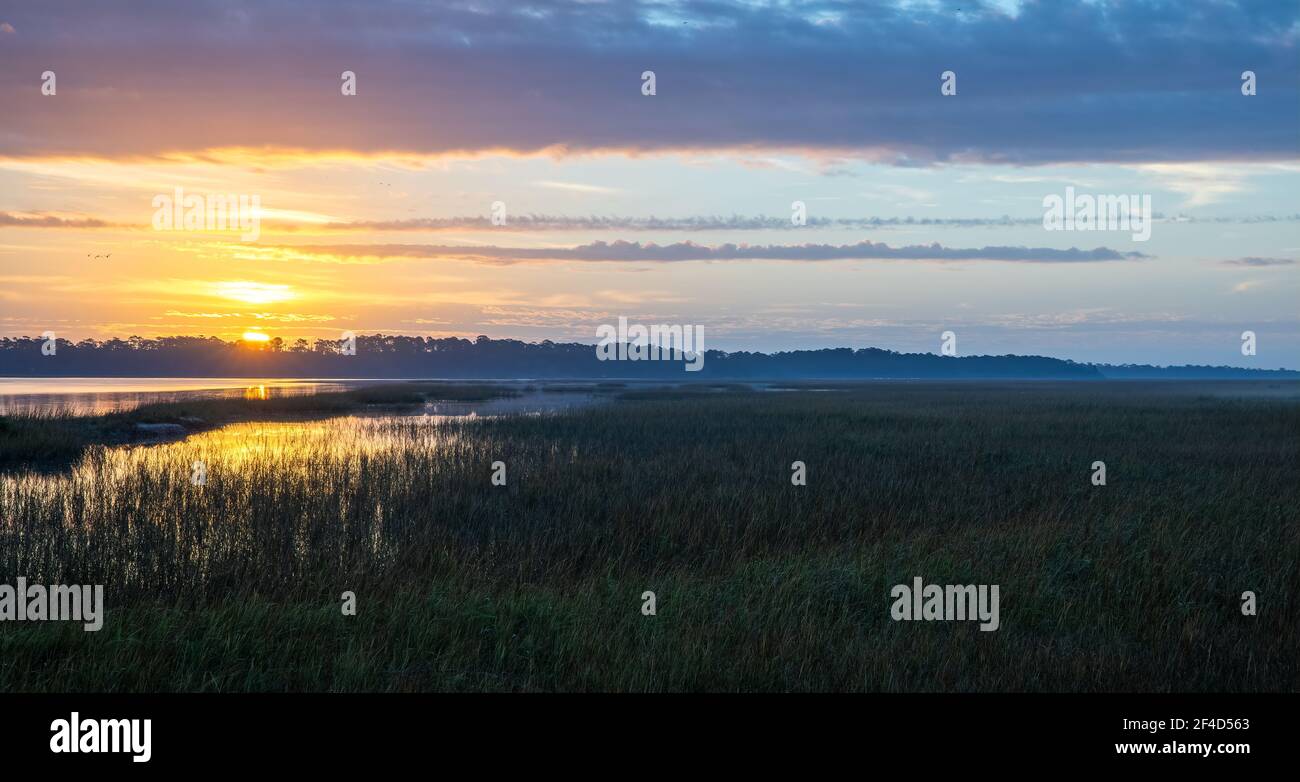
[252, 292]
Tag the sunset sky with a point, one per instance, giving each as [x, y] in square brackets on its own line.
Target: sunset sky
[924, 210]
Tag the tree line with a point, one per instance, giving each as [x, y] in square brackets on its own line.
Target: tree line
[401, 356]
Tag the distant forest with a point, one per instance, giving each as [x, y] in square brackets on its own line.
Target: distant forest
[387, 356]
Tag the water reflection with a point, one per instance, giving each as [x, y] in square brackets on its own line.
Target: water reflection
[291, 446]
[99, 396]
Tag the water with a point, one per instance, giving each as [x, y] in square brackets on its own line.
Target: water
[100, 395]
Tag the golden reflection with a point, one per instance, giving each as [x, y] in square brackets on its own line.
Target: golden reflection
[314, 455]
[255, 392]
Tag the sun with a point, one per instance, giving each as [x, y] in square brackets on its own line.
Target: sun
[256, 336]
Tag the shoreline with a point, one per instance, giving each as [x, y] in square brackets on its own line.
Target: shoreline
[53, 440]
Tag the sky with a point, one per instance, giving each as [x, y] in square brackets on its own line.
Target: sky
[921, 139]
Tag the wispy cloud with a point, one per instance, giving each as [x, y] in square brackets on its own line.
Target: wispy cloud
[272, 317]
[1200, 183]
[291, 220]
[9, 219]
[1260, 262]
[623, 251]
[576, 187]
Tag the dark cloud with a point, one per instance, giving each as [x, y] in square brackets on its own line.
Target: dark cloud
[690, 251]
[1145, 80]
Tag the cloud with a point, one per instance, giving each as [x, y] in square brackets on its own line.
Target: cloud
[289, 220]
[1252, 261]
[8, 219]
[577, 187]
[540, 222]
[624, 251]
[1200, 183]
[6, 28]
[543, 222]
[277, 317]
[844, 81]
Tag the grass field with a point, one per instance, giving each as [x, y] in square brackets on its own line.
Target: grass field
[760, 585]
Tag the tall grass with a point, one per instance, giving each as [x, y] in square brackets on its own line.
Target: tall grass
[761, 585]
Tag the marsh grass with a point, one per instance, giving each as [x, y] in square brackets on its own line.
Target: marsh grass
[44, 436]
[761, 585]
